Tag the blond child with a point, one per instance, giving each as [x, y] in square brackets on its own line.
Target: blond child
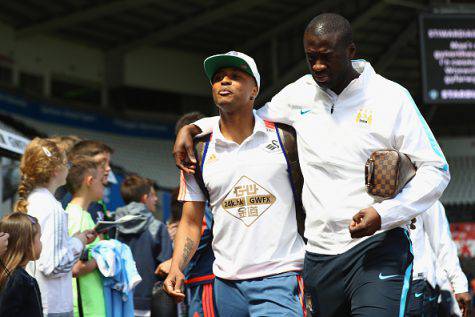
[19, 292]
[85, 184]
[43, 168]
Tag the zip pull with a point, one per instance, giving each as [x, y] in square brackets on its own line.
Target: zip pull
[333, 108]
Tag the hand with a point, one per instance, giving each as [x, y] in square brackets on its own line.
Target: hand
[172, 229]
[84, 267]
[174, 285]
[91, 235]
[365, 223]
[164, 268]
[81, 236]
[464, 301]
[86, 237]
[3, 242]
[183, 150]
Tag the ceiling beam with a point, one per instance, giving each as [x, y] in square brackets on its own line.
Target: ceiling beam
[209, 16]
[79, 16]
[408, 4]
[392, 52]
[301, 66]
[304, 15]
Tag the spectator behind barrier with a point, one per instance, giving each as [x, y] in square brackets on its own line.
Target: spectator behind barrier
[19, 292]
[99, 151]
[147, 237]
[65, 144]
[85, 184]
[44, 168]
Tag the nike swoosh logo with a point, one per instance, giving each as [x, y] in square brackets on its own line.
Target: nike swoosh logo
[418, 295]
[302, 112]
[385, 277]
[432, 299]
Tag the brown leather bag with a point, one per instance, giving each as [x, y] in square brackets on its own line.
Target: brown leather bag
[387, 172]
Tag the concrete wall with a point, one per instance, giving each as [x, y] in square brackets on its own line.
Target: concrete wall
[46, 56]
[168, 70]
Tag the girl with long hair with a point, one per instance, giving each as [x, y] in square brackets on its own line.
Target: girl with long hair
[44, 168]
[19, 292]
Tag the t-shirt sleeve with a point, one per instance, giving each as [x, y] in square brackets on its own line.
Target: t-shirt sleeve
[444, 247]
[279, 109]
[413, 137]
[58, 254]
[189, 189]
[207, 124]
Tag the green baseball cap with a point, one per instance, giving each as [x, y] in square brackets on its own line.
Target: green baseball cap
[232, 59]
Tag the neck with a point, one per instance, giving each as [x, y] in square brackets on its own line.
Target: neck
[236, 126]
[82, 201]
[52, 186]
[352, 74]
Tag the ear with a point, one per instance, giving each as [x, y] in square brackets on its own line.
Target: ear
[255, 90]
[88, 180]
[143, 199]
[351, 51]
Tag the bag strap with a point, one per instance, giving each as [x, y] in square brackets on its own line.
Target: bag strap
[287, 138]
[201, 148]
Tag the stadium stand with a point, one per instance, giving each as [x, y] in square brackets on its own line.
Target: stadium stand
[461, 190]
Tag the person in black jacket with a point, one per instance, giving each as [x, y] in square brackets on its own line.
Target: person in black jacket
[147, 237]
[19, 292]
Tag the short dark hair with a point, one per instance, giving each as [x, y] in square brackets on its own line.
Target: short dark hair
[81, 167]
[89, 148]
[327, 23]
[188, 118]
[134, 187]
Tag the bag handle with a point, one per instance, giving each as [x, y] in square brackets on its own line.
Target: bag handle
[369, 173]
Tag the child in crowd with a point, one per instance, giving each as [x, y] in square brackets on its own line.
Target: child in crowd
[65, 144]
[3, 242]
[147, 237]
[19, 292]
[99, 152]
[85, 184]
[43, 168]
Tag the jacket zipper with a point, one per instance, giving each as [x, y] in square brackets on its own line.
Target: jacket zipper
[333, 108]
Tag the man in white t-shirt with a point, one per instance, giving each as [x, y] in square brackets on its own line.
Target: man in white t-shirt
[358, 259]
[435, 251]
[259, 253]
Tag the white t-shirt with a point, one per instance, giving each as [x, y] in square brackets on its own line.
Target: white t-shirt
[255, 227]
[434, 248]
[60, 252]
[336, 134]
